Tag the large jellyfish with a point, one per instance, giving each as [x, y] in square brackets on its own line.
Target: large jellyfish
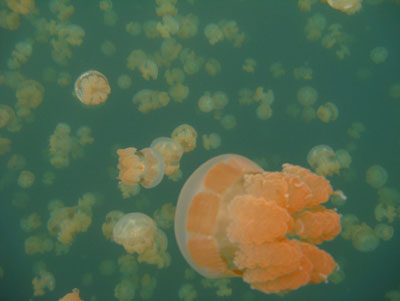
[233, 219]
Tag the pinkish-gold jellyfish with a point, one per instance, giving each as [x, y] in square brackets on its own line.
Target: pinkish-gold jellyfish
[233, 219]
[145, 167]
[73, 296]
[92, 88]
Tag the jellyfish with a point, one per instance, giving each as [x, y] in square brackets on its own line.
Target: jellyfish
[249, 65]
[347, 6]
[384, 231]
[323, 160]
[212, 66]
[233, 219]
[213, 33]
[145, 167]
[327, 112]
[45, 280]
[135, 232]
[307, 96]
[92, 88]
[73, 296]
[206, 103]
[138, 233]
[364, 238]
[376, 176]
[171, 152]
[7, 115]
[378, 55]
[186, 136]
[211, 141]
[26, 179]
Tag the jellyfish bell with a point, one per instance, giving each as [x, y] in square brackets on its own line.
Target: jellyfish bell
[230, 211]
[92, 88]
[135, 232]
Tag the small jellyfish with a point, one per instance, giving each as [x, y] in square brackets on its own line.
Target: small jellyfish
[378, 55]
[135, 232]
[376, 176]
[384, 231]
[73, 296]
[206, 103]
[186, 136]
[307, 96]
[92, 88]
[145, 167]
[364, 238]
[327, 112]
[322, 159]
[26, 179]
[233, 219]
[171, 152]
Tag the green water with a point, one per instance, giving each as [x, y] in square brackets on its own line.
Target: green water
[274, 32]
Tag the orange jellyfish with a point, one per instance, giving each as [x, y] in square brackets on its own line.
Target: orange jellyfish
[74, 296]
[92, 88]
[233, 219]
[145, 167]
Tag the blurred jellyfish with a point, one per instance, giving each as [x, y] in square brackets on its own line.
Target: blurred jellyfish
[249, 65]
[45, 280]
[230, 211]
[187, 292]
[165, 215]
[378, 55]
[26, 179]
[149, 69]
[384, 231]
[107, 267]
[148, 285]
[213, 33]
[211, 141]
[108, 48]
[364, 238]
[125, 290]
[92, 88]
[212, 66]
[327, 112]
[124, 81]
[7, 115]
[145, 167]
[171, 152]
[394, 91]
[206, 103]
[31, 222]
[376, 176]
[307, 96]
